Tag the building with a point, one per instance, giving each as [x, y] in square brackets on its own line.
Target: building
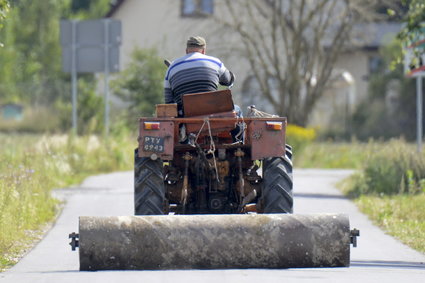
[166, 24]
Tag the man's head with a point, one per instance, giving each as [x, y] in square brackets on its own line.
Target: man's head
[196, 44]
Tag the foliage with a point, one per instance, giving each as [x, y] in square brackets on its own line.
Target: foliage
[385, 168]
[292, 46]
[414, 23]
[299, 137]
[394, 168]
[83, 9]
[141, 83]
[4, 8]
[334, 155]
[90, 108]
[31, 72]
[31, 121]
[30, 61]
[399, 210]
[31, 166]
[56, 118]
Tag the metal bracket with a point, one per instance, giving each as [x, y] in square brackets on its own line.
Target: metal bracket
[75, 243]
[353, 237]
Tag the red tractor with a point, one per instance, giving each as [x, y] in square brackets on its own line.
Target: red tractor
[208, 162]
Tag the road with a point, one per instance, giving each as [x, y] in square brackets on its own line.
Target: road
[378, 257]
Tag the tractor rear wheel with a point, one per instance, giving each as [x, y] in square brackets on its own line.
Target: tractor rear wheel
[277, 185]
[149, 189]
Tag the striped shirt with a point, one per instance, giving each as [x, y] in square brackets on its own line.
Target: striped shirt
[193, 73]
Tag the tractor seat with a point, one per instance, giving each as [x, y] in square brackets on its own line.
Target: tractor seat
[214, 104]
[208, 104]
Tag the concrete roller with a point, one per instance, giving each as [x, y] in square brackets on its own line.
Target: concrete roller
[214, 241]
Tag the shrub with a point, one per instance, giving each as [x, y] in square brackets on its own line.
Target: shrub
[299, 137]
[393, 168]
[141, 83]
[35, 120]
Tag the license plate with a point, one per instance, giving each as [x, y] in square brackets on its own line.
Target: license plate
[154, 144]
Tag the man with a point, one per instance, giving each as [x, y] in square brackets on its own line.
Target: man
[193, 73]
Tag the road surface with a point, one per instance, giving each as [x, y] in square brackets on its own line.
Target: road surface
[378, 257]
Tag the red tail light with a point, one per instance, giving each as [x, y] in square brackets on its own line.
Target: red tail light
[274, 126]
[152, 125]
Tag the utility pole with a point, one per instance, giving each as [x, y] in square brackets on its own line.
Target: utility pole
[419, 99]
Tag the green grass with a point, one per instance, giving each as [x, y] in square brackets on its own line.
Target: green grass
[31, 166]
[332, 155]
[402, 216]
[389, 186]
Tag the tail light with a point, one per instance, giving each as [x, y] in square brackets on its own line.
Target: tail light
[274, 126]
[152, 125]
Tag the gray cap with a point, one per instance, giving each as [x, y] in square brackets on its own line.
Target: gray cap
[196, 41]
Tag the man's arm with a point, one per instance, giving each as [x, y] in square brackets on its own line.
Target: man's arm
[226, 77]
[168, 94]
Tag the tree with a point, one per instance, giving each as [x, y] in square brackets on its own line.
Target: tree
[30, 61]
[414, 20]
[4, 8]
[31, 65]
[141, 83]
[84, 9]
[292, 46]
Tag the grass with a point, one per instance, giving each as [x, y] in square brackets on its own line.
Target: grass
[389, 186]
[402, 216]
[31, 166]
[333, 155]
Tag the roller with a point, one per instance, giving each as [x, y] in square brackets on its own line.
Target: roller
[213, 241]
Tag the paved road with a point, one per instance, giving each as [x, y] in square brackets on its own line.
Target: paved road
[378, 258]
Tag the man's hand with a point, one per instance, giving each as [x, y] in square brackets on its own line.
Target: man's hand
[232, 77]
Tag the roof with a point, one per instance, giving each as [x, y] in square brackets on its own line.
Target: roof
[115, 5]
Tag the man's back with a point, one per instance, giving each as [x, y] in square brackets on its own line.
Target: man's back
[193, 73]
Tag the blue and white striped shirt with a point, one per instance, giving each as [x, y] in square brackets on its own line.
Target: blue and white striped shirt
[193, 73]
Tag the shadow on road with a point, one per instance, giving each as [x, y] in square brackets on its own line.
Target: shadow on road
[388, 264]
[318, 196]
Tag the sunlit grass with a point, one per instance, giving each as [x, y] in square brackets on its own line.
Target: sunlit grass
[31, 166]
[333, 155]
[389, 185]
[402, 216]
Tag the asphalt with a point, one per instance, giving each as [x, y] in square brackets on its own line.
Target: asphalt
[378, 257]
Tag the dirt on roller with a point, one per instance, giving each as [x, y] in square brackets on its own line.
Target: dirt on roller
[214, 241]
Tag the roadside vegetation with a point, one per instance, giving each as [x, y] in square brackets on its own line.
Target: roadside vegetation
[389, 185]
[299, 137]
[342, 155]
[31, 166]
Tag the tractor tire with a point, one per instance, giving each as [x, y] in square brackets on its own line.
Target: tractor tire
[288, 151]
[149, 188]
[277, 185]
